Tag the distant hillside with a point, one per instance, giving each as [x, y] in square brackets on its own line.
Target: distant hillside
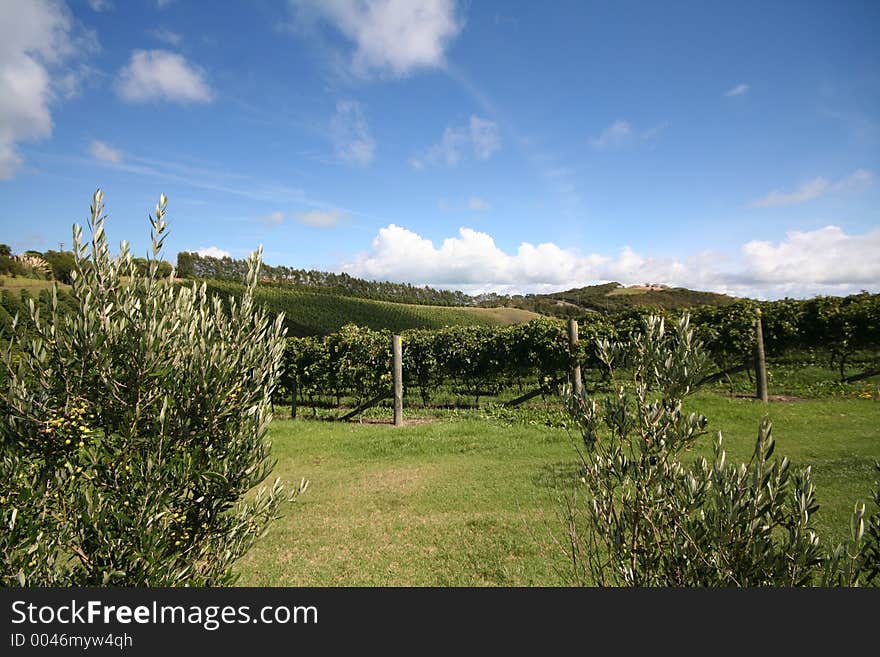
[192, 265]
[318, 312]
[608, 298]
[604, 298]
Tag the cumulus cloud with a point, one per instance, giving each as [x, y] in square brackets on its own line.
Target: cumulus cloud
[618, 134]
[161, 75]
[738, 90]
[824, 261]
[100, 5]
[351, 136]
[213, 252]
[814, 189]
[321, 218]
[391, 37]
[825, 257]
[104, 152]
[36, 37]
[479, 136]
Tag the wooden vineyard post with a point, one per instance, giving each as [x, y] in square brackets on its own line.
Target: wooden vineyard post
[760, 360]
[293, 392]
[397, 368]
[575, 376]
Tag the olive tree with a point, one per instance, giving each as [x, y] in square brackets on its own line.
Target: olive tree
[642, 513]
[134, 426]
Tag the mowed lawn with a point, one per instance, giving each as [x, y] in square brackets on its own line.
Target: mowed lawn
[466, 501]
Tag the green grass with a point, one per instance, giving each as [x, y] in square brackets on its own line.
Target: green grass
[467, 501]
[626, 291]
[20, 283]
[809, 375]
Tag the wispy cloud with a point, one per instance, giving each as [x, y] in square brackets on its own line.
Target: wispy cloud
[617, 135]
[351, 136]
[480, 136]
[478, 204]
[814, 189]
[321, 218]
[738, 90]
[315, 218]
[622, 134]
[484, 137]
[391, 37]
[211, 179]
[166, 36]
[153, 75]
[100, 5]
[824, 261]
[276, 218]
[103, 151]
[652, 134]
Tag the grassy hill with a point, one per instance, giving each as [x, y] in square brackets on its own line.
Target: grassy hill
[319, 313]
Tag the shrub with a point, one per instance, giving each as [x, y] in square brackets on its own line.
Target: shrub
[641, 517]
[134, 427]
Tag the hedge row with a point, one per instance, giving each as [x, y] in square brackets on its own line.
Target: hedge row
[356, 361]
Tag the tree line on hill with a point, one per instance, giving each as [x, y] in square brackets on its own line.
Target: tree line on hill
[566, 304]
[193, 265]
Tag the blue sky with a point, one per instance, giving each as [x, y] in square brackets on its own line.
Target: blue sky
[510, 146]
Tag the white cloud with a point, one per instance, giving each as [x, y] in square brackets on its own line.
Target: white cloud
[481, 136]
[391, 37]
[36, 36]
[161, 75]
[352, 140]
[826, 257]
[213, 252]
[166, 36]
[100, 5]
[824, 261]
[617, 135]
[738, 90]
[321, 218]
[479, 204]
[102, 151]
[814, 189]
